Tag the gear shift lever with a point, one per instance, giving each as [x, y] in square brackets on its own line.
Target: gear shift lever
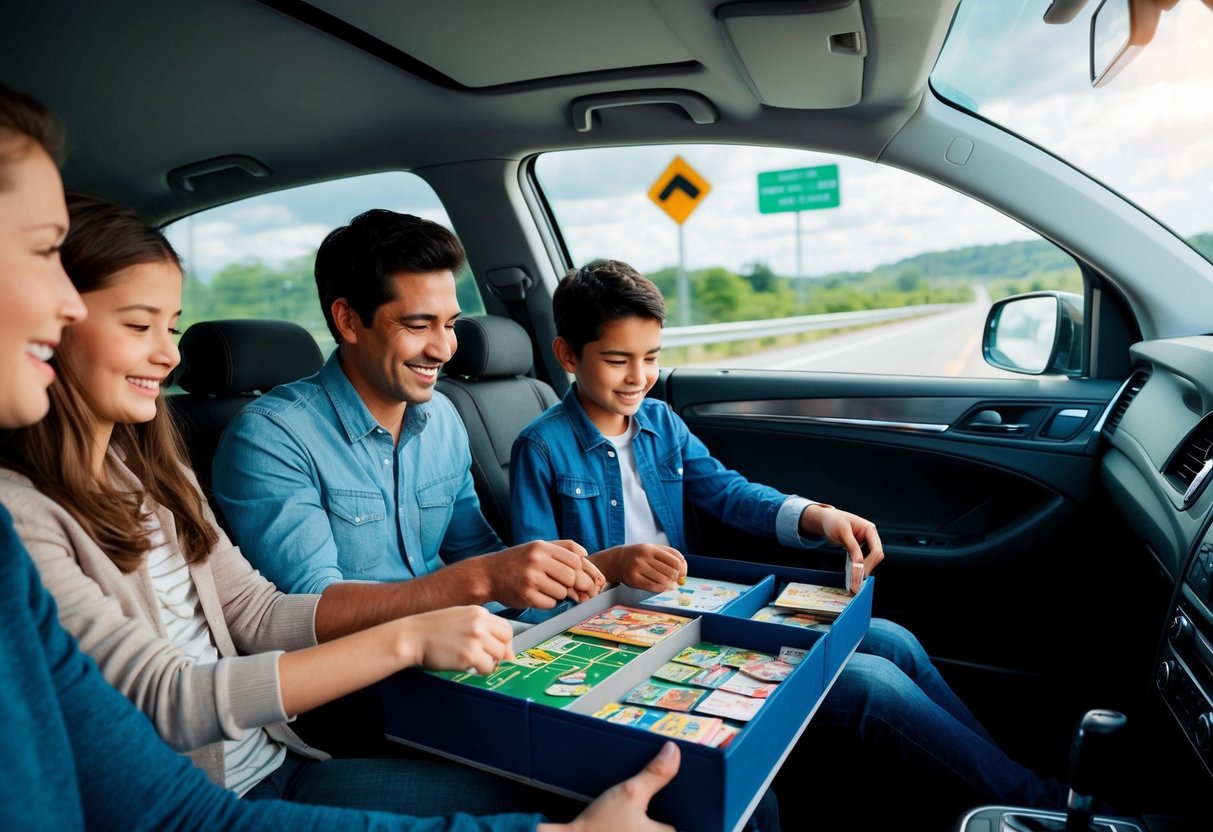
[1089, 751]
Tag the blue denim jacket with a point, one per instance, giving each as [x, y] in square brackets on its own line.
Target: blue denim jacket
[315, 492]
[565, 481]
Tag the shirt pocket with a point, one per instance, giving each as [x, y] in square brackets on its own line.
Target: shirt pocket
[580, 505]
[357, 520]
[436, 504]
[669, 468]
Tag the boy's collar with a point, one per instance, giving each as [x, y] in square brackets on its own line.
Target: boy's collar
[587, 433]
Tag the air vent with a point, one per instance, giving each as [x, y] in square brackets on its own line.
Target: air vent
[1127, 394]
[1190, 457]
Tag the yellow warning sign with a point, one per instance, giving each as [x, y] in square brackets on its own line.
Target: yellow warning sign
[679, 190]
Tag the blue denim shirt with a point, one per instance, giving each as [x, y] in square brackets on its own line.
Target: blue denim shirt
[315, 492]
[565, 481]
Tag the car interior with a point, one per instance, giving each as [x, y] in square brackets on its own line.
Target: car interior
[1047, 529]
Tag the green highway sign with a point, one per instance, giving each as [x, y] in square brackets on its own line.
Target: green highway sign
[802, 189]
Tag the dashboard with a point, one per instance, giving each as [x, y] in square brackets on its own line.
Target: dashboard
[1157, 471]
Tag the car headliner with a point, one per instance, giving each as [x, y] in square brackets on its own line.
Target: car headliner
[315, 91]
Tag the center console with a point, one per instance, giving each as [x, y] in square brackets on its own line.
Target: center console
[1185, 667]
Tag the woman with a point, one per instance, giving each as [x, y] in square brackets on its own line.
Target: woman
[150, 586]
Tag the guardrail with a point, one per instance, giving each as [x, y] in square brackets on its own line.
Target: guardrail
[690, 336]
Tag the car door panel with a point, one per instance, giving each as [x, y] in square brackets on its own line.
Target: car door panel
[985, 535]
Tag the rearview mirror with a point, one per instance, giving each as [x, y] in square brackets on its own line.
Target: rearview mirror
[1119, 30]
[1037, 334]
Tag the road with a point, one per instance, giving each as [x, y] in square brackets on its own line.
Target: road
[944, 344]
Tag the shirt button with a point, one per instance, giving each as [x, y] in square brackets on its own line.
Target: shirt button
[387, 461]
[680, 472]
[614, 503]
[576, 490]
[357, 519]
[611, 454]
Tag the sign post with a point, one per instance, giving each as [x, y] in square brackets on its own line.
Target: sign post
[678, 192]
[801, 189]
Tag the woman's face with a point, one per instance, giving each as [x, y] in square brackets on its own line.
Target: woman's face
[36, 298]
[124, 350]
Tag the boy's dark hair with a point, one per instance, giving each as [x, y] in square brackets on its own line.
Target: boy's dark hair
[357, 261]
[598, 293]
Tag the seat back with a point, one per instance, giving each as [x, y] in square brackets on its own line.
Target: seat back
[224, 366]
[486, 381]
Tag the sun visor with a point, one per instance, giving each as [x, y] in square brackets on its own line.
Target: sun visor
[802, 55]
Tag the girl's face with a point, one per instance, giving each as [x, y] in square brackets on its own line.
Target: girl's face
[36, 298]
[127, 346]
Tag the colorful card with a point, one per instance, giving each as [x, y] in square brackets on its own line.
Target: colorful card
[805, 620]
[828, 601]
[739, 657]
[689, 727]
[725, 734]
[699, 595]
[772, 671]
[674, 672]
[631, 626]
[660, 695]
[729, 705]
[748, 686]
[629, 715]
[703, 654]
[712, 677]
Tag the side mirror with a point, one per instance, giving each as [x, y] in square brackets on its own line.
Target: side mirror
[1119, 30]
[1038, 333]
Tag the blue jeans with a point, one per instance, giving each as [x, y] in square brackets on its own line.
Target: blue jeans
[892, 701]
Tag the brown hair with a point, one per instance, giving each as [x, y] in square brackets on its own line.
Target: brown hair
[56, 453]
[24, 122]
[602, 292]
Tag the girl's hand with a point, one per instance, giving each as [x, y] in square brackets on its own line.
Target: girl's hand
[458, 638]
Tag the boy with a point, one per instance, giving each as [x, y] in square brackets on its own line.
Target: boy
[610, 469]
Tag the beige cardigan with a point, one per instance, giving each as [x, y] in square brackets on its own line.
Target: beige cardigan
[115, 617]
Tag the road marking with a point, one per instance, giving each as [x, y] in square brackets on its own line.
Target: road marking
[956, 366]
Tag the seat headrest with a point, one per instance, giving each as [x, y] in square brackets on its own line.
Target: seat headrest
[490, 346]
[224, 358]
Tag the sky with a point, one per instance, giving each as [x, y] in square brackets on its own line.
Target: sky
[1148, 134]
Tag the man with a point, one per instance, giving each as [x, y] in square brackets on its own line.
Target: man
[361, 473]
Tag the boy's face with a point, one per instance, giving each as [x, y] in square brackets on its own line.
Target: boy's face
[615, 372]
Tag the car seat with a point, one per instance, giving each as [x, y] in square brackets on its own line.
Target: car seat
[487, 382]
[224, 366]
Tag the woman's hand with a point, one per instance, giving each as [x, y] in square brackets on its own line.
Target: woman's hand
[457, 638]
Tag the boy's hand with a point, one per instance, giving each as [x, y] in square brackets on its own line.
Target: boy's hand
[643, 566]
[625, 805]
[850, 531]
[458, 638]
[541, 574]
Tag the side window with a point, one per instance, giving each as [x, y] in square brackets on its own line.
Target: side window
[254, 258]
[788, 259]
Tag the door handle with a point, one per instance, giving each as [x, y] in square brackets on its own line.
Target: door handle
[990, 421]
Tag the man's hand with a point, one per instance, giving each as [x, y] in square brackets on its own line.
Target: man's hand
[625, 805]
[643, 566]
[457, 638]
[541, 574]
[850, 531]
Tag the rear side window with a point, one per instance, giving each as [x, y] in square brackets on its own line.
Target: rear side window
[254, 258]
[793, 260]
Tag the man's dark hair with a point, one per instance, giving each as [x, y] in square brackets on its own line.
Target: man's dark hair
[599, 293]
[357, 261]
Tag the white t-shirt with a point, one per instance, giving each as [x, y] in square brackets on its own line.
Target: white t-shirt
[640, 524]
[246, 761]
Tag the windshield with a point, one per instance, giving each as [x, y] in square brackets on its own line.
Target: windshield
[1148, 134]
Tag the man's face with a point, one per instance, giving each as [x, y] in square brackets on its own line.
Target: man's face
[395, 360]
